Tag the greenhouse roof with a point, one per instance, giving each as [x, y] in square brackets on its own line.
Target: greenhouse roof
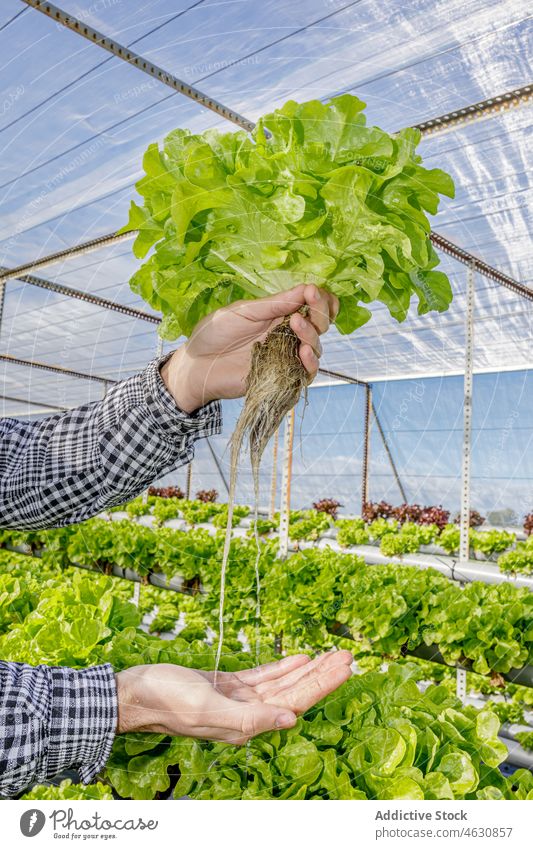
[76, 120]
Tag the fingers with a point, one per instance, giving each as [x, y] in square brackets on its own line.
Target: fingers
[255, 718]
[323, 307]
[306, 332]
[312, 690]
[313, 687]
[309, 360]
[318, 303]
[321, 664]
[272, 671]
[316, 680]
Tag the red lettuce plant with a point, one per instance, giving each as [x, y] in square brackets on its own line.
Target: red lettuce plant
[476, 519]
[376, 510]
[166, 491]
[327, 505]
[434, 516]
[207, 495]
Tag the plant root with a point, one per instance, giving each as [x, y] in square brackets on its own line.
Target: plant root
[274, 385]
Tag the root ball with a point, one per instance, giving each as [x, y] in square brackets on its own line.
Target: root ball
[274, 384]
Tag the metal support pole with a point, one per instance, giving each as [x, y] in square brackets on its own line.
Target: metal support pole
[136, 598]
[274, 479]
[464, 544]
[477, 111]
[389, 454]
[2, 301]
[285, 505]
[189, 482]
[217, 464]
[467, 418]
[366, 445]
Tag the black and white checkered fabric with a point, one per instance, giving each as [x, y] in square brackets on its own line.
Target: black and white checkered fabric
[52, 718]
[72, 465]
[64, 469]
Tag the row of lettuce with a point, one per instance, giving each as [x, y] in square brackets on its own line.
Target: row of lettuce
[422, 515]
[395, 538]
[490, 625]
[379, 736]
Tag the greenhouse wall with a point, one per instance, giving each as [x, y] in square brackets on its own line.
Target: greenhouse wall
[423, 425]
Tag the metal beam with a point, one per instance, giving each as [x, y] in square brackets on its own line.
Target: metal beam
[477, 111]
[482, 268]
[87, 297]
[522, 676]
[32, 403]
[67, 253]
[141, 62]
[338, 376]
[389, 454]
[18, 361]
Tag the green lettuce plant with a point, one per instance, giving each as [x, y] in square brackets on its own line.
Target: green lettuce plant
[312, 195]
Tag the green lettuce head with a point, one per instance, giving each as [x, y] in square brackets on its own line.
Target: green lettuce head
[313, 195]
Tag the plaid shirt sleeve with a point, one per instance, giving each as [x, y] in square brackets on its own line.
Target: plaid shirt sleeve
[72, 465]
[52, 718]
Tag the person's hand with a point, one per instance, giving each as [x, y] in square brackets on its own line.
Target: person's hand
[214, 362]
[169, 699]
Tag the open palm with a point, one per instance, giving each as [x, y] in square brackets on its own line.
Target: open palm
[175, 700]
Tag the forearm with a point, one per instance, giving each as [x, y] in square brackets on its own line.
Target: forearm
[53, 718]
[71, 466]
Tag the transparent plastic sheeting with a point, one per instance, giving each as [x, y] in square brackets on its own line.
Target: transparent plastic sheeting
[422, 421]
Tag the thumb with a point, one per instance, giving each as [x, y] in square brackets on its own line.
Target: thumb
[257, 717]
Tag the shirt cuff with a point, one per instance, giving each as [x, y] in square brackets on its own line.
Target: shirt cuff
[82, 720]
[167, 416]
